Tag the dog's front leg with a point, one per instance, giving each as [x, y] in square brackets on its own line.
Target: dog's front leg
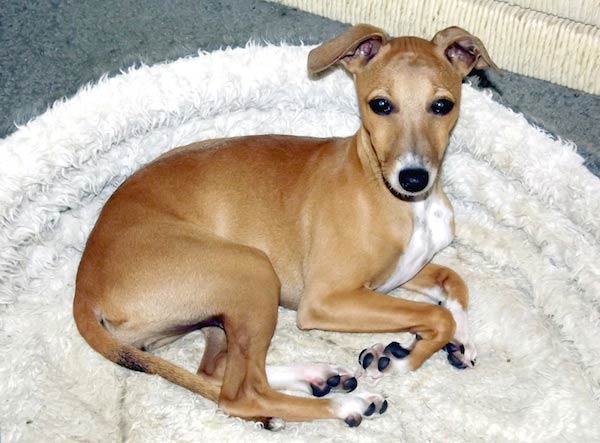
[364, 310]
[448, 289]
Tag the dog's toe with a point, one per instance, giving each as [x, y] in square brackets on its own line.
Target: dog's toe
[367, 360]
[378, 359]
[354, 408]
[350, 384]
[334, 380]
[461, 356]
[396, 350]
[325, 378]
[370, 355]
[320, 391]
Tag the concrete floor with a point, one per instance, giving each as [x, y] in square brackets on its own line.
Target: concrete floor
[49, 48]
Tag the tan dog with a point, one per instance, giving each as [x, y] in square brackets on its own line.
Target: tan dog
[216, 235]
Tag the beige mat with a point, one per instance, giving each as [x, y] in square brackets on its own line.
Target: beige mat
[552, 40]
[527, 243]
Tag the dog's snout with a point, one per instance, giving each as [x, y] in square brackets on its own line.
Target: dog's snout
[414, 179]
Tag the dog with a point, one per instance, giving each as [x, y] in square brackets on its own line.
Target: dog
[217, 234]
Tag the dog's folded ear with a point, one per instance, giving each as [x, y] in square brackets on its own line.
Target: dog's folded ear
[463, 50]
[354, 49]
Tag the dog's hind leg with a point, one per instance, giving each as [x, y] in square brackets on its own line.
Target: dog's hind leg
[318, 379]
[249, 324]
[246, 391]
[215, 353]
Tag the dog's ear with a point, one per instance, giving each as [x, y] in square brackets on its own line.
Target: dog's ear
[354, 49]
[463, 50]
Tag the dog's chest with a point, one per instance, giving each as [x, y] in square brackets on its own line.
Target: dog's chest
[432, 231]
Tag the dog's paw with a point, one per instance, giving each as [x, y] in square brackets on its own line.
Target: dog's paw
[318, 379]
[379, 359]
[324, 378]
[461, 356]
[354, 408]
[461, 350]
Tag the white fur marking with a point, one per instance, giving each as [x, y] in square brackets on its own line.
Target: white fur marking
[292, 378]
[431, 232]
[461, 334]
[299, 377]
[436, 293]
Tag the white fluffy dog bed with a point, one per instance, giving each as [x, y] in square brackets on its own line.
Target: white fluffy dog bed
[527, 243]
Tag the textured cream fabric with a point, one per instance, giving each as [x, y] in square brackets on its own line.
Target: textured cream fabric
[527, 244]
[526, 41]
[584, 11]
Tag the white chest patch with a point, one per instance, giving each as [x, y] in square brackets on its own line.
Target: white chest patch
[431, 232]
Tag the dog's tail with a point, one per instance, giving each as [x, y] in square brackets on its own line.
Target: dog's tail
[90, 327]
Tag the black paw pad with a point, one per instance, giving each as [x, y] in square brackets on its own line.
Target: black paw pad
[353, 421]
[384, 407]
[320, 392]
[383, 363]
[333, 381]
[455, 361]
[360, 356]
[395, 349]
[370, 410]
[350, 384]
[450, 348]
[367, 360]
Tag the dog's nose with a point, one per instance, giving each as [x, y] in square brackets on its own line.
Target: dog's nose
[414, 179]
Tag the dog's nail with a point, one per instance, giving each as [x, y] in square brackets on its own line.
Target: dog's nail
[353, 421]
[370, 410]
[350, 384]
[318, 392]
[384, 407]
[360, 355]
[367, 360]
[334, 380]
[383, 363]
[473, 363]
[396, 350]
[462, 349]
[418, 337]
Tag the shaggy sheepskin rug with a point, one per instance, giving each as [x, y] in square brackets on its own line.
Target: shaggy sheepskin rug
[527, 244]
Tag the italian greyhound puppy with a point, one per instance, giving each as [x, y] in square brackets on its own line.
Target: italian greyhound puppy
[217, 234]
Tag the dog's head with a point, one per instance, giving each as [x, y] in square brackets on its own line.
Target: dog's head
[409, 93]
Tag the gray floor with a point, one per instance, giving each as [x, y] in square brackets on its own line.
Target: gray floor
[49, 48]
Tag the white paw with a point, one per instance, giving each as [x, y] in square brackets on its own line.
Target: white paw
[461, 350]
[379, 360]
[461, 356]
[354, 408]
[318, 379]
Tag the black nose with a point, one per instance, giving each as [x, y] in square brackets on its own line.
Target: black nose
[414, 179]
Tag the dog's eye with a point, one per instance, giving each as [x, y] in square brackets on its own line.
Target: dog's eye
[381, 106]
[442, 107]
